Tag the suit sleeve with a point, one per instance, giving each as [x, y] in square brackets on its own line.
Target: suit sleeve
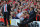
[9, 8]
[2, 9]
[34, 16]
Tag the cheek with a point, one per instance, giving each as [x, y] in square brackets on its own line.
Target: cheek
[30, 9]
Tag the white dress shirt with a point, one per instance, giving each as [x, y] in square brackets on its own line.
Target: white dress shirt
[21, 18]
[6, 8]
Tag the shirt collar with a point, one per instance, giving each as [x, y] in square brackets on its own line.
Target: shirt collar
[32, 10]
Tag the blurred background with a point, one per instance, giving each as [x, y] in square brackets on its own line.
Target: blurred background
[18, 6]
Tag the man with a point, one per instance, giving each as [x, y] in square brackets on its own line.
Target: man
[32, 17]
[6, 12]
[32, 14]
[20, 16]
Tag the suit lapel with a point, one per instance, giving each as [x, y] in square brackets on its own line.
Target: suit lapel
[7, 6]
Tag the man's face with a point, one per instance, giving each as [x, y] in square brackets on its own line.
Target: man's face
[4, 2]
[30, 9]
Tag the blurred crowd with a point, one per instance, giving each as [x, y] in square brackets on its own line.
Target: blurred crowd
[21, 7]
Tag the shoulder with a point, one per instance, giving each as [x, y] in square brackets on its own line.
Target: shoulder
[7, 4]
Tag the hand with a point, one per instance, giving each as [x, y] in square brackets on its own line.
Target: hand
[1, 14]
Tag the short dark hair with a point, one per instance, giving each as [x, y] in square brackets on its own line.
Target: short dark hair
[6, 1]
[32, 8]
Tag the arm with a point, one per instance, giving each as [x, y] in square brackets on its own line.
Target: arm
[34, 16]
[2, 9]
[9, 8]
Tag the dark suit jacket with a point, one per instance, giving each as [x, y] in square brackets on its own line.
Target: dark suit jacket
[32, 16]
[8, 8]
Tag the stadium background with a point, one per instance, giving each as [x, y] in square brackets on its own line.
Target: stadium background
[10, 1]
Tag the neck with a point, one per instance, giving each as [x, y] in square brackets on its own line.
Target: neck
[5, 3]
[31, 10]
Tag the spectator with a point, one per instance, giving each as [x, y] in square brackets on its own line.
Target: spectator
[19, 7]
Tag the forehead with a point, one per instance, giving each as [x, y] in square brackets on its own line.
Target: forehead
[4, 1]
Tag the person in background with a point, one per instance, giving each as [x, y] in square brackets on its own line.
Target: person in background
[14, 17]
[6, 12]
[32, 17]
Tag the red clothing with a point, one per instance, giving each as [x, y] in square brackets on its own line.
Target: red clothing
[10, 1]
[35, 3]
[14, 2]
[37, 16]
[25, 9]
[31, 2]
[26, 17]
[26, 0]
[0, 3]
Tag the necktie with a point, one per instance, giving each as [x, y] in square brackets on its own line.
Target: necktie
[5, 8]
